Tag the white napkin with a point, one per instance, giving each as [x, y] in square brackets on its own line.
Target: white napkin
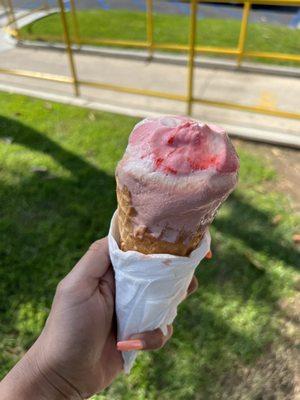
[149, 287]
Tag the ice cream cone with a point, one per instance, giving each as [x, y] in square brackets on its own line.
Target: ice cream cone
[174, 176]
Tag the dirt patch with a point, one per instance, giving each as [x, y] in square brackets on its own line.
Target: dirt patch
[291, 309]
[272, 377]
[276, 374]
[286, 163]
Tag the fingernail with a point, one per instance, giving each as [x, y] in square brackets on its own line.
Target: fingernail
[128, 345]
[208, 255]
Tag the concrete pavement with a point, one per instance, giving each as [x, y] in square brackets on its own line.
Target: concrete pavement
[6, 40]
[210, 83]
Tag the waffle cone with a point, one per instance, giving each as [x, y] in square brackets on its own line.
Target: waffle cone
[143, 241]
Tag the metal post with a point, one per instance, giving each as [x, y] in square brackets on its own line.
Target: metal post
[4, 5]
[75, 22]
[243, 32]
[69, 47]
[150, 27]
[192, 42]
[7, 13]
[12, 18]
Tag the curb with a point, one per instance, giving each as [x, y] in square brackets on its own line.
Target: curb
[282, 139]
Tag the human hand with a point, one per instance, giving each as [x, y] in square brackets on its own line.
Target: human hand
[76, 354]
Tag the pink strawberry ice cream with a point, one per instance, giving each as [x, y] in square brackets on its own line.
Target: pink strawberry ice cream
[178, 172]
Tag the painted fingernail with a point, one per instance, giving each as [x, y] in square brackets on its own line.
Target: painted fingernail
[208, 255]
[129, 345]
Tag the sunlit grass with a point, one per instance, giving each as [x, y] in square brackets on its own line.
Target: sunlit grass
[57, 195]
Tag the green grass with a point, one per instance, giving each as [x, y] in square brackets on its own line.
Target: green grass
[129, 25]
[48, 219]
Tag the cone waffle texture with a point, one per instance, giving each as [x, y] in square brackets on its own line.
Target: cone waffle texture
[142, 240]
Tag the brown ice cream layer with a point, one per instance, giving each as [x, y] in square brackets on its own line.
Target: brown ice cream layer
[142, 240]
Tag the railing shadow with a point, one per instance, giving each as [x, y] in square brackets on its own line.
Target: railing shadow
[256, 229]
[206, 340]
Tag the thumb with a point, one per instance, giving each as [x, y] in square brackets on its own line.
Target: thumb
[92, 266]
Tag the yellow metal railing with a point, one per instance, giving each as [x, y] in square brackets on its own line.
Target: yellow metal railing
[149, 43]
[239, 51]
[69, 47]
[191, 59]
[150, 26]
[12, 22]
[191, 48]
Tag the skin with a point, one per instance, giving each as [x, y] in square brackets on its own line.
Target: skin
[76, 354]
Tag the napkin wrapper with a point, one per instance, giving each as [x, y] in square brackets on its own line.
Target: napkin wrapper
[149, 288]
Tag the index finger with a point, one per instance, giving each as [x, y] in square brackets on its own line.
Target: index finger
[150, 340]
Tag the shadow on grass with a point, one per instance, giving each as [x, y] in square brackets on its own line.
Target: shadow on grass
[256, 229]
[49, 221]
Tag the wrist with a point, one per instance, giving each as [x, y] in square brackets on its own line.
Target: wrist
[32, 379]
[25, 381]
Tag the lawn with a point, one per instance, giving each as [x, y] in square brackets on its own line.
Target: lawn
[57, 195]
[129, 25]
